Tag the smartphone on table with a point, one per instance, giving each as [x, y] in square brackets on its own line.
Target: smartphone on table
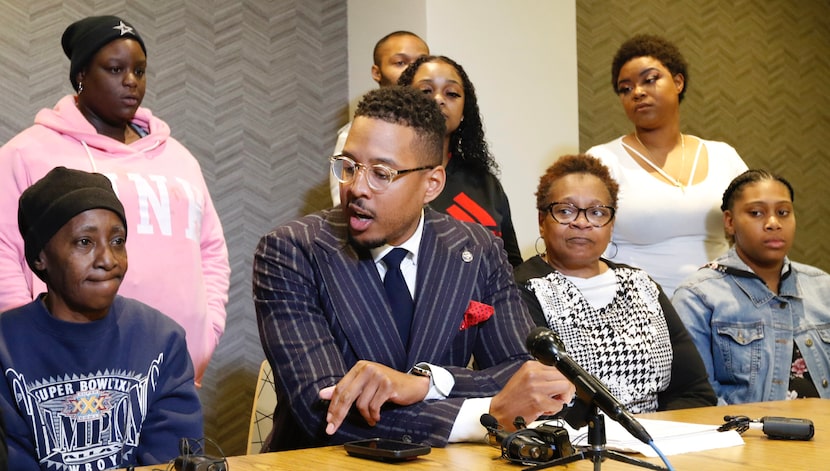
[383, 449]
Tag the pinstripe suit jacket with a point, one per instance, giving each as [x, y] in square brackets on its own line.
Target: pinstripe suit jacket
[321, 307]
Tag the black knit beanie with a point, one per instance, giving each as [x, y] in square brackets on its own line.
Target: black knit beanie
[83, 38]
[45, 207]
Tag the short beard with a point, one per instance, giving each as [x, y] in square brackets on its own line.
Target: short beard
[367, 245]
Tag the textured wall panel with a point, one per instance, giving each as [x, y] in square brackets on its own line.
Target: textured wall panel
[758, 81]
[256, 89]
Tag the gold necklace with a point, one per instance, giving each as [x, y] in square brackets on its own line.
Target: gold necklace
[650, 161]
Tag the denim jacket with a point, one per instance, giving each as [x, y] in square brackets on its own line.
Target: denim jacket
[745, 332]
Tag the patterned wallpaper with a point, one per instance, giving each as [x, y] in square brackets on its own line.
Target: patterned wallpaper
[758, 81]
[256, 89]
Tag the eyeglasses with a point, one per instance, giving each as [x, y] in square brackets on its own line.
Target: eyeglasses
[566, 213]
[378, 176]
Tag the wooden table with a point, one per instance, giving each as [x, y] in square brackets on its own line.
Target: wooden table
[758, 452]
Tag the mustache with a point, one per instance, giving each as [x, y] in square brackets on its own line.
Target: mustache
[358, 206]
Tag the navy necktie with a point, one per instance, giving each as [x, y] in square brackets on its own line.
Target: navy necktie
[398, 292]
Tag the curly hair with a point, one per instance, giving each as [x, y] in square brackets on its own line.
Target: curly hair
[408, 107]
[467, 143]
[733, 191]
[657, 47]
[571, 164]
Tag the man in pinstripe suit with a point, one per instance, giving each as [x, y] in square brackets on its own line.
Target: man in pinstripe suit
[341, 367]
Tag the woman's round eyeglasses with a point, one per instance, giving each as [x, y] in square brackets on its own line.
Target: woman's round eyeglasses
[566, 213]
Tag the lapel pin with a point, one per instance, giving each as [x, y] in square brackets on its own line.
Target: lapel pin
[467, 256]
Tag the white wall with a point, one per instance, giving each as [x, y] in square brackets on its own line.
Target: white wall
[521, 56]
[370, 20]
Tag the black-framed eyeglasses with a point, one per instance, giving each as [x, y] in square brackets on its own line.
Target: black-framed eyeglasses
[566, 213]
[378, 176]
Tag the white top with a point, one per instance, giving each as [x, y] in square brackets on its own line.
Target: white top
[598, 290]
[668, 231]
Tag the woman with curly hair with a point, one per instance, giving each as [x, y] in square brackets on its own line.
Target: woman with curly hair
[669, 181]
[473, 192]
[613, 319]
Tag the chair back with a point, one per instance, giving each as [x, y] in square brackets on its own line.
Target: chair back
[262, 412]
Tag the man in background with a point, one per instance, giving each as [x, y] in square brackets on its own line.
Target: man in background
[392, 54]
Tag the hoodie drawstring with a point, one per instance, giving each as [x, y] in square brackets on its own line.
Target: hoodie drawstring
[89, 155]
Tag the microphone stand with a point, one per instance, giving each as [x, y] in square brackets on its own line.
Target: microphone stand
[597, 452]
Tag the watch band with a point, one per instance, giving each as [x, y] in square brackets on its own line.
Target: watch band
[421, 369]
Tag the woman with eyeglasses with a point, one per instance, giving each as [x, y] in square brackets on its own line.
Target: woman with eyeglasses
[669, 181]
[613, 320]
[472, 192]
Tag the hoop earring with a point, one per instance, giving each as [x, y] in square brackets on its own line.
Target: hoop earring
[536, 246]
[80, 87]
[458, 147]
[616, 250]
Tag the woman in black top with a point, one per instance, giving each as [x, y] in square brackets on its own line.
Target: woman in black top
[472, 191]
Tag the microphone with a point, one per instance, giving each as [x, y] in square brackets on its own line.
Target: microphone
[779, 428]
[546, 347]
[518, 446]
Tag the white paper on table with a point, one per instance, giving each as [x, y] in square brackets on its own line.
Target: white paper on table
[672, 438]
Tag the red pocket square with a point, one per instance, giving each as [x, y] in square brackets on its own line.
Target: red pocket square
[476, 312]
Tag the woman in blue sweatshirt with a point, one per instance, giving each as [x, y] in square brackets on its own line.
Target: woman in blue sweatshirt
[92, 380]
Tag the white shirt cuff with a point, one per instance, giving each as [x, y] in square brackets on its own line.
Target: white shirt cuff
[467, 426]
[441, 382]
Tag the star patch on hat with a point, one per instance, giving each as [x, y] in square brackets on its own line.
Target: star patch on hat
[123, 28]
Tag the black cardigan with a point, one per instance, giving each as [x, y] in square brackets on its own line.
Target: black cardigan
[689, 385]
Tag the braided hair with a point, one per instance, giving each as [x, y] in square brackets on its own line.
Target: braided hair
[750, 176]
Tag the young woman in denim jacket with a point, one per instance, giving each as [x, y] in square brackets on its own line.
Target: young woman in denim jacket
[760, 321]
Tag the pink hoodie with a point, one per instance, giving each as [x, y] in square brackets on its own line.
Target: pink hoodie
[177, 253]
